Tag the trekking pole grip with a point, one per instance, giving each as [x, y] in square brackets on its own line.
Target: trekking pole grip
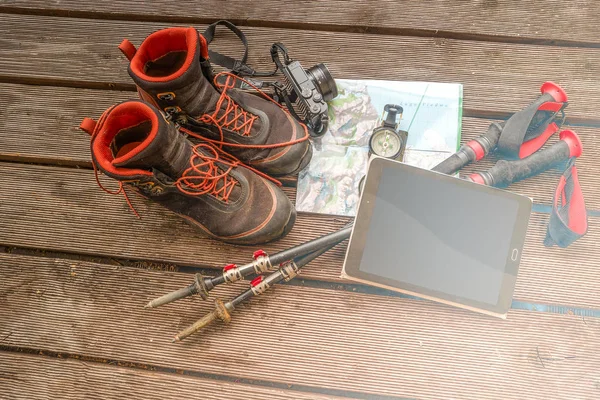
[506, 172]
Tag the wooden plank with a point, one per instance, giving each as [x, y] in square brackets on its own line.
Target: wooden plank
[506, 20]
[62, 209]
[41, 123]
[65, 203]
[568, 276]
[55, 113]
[328, 339]
[25, 376]
[497, 77]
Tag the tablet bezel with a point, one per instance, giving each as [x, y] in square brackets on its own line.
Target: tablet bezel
[358, 238]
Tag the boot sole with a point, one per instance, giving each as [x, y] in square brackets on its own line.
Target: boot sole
[305, 160]
[246, 242]
[201, 228]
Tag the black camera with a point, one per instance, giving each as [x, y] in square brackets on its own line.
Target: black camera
[305, 91]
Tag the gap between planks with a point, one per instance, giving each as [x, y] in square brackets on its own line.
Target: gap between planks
[64, 211]
[451, 20]
[35, 374]
[301, 281]
[329, 339]
[482, 67]
[118, 90]
[60, 141]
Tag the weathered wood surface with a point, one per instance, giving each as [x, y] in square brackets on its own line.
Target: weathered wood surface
[548, 21]
[25, 376]
[49, 133]
[64, 210]
[41, 123]
[325, 340]
[497, 77]
[316, 338]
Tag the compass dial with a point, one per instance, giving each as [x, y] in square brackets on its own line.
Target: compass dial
[385, 143]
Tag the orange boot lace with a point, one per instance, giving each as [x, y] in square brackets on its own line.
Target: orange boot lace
[235, 118]
[202, 177]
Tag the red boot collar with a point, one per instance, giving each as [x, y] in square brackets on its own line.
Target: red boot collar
[161, 43]
[119, 117]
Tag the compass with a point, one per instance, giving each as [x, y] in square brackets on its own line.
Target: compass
[386, 140]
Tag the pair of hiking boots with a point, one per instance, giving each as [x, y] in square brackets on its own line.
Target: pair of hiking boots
[212, 168]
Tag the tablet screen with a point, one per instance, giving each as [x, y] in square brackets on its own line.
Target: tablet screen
[430, 234]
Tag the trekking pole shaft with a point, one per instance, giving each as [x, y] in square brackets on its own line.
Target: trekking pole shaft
[471, 151]
[286, 272]
[314, 245]
[262, 263]
[169, 297]
[266, 263]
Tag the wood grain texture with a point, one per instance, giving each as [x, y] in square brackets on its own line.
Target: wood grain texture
[317, 342]
[54, 114]
[301, 336]
[41, 123]
[64, 210]
[497, 77]
[549, 21]
[24, 376]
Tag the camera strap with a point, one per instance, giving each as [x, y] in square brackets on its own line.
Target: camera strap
[568, 218]
[238, 67]
[242, 69]
[524, 134]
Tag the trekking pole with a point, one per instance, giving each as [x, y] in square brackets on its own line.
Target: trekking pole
[506, 172]
[262, 263]
[521, 135]
[258, 286]
[473, 150]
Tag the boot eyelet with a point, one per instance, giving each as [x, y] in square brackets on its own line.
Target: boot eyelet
[168, 96]
[172, 110]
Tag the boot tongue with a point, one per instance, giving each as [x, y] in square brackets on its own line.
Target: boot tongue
[231, 114]
[214, 175]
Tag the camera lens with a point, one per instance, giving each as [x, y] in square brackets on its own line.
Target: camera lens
[322, 79]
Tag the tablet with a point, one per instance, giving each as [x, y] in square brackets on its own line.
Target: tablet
[437, 237]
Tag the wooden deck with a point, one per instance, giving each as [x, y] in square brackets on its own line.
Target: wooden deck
[76, 267]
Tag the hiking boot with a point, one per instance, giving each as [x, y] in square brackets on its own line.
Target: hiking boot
[133, 143]
[172, 71]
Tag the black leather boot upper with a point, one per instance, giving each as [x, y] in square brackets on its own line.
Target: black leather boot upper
[172, 71]
[136, 145]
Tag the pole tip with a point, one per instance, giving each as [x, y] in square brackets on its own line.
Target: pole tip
[175, 339]
[149, 305]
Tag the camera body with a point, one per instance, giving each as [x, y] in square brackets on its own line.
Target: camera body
[303, 91]
[309, 90]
